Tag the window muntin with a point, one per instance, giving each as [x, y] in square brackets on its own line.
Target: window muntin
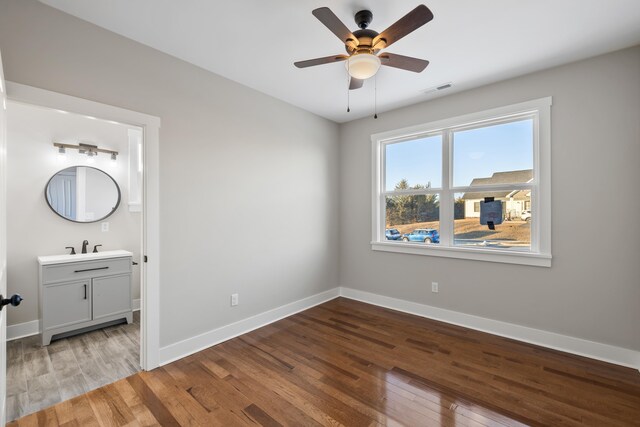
[533, 117]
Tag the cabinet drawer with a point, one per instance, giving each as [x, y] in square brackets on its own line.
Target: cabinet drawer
[85, 269]
[66, 304]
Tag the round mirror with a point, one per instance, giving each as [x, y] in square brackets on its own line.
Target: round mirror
[82, 194]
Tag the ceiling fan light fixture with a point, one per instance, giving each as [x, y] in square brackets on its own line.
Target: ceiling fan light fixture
[363, 65]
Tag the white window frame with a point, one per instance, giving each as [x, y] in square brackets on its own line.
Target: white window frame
[540, 254]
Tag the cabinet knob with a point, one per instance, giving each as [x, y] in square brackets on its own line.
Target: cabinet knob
[15, 301]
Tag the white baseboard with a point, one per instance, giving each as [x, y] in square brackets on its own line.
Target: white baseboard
[26, 329]
[578, 346]
[200, 342]
[594, 350]
[22, 330]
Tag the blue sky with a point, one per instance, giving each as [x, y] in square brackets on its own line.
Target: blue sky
[477, 153]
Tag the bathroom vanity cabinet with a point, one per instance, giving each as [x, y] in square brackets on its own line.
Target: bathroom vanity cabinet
[84, 291]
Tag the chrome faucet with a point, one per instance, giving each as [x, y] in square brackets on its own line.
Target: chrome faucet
[84, 246]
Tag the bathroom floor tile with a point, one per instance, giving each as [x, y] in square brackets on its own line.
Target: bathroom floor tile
[38, 377]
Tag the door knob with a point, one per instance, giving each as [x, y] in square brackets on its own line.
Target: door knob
[15, 300]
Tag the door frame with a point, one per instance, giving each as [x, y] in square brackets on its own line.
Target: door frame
[3, 244]
[150, 269]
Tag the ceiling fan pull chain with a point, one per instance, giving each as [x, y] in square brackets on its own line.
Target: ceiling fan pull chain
[348, 89]
[375, 96]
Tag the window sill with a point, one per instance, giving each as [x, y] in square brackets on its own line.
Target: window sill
[491, 255]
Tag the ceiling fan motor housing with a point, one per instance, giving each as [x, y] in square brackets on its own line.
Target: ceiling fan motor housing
[365, 39]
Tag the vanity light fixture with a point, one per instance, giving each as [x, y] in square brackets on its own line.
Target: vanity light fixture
[89, 149]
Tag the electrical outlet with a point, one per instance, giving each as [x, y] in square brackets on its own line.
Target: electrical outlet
[434, 287]
[234, 300]
[105, 226]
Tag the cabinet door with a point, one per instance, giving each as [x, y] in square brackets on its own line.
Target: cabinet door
[66, 304]
[111, 295]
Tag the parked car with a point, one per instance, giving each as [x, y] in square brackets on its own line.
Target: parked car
[525, 215]
[392, 234]
[426, 235]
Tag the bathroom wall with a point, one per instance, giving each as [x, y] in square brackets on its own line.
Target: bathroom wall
[34, 229]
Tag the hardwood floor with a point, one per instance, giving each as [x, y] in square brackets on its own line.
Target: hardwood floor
[353, 364]
[38, 377]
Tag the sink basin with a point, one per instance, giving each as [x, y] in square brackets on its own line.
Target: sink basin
[61, 259]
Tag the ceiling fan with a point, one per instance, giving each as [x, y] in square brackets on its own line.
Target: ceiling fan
[363, 45]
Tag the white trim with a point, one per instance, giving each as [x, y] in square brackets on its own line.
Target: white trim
[22, 330]
[490, 255]
[197, 343]
[446, 198]
[27, 329]
[539, 254]
[150, 271]
[135, 207]
[464, 120]
[594, 350]
[45, 98]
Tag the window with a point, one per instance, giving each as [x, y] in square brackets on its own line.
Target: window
[431, 180]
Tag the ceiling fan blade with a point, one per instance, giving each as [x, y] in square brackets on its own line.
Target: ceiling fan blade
[403, 26]
[320, 61]
[333, 23]
[355, 83]
[403, 62]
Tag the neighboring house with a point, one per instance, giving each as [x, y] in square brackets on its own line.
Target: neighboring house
[513, 202]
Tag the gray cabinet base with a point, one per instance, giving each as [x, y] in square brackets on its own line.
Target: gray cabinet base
[85, 326]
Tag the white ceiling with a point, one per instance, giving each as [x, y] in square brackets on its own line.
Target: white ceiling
[469, 42]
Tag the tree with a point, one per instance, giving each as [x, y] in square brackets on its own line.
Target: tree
[408, 209]
[458, 208]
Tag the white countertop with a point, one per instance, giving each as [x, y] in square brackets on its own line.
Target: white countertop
[61, 259]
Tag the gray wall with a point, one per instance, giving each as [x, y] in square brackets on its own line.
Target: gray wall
[592, 291]
[248, 183]
[34, 230]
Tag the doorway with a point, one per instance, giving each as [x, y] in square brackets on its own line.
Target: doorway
[128, 347]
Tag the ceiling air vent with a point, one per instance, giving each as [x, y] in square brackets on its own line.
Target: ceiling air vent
[440, 87]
